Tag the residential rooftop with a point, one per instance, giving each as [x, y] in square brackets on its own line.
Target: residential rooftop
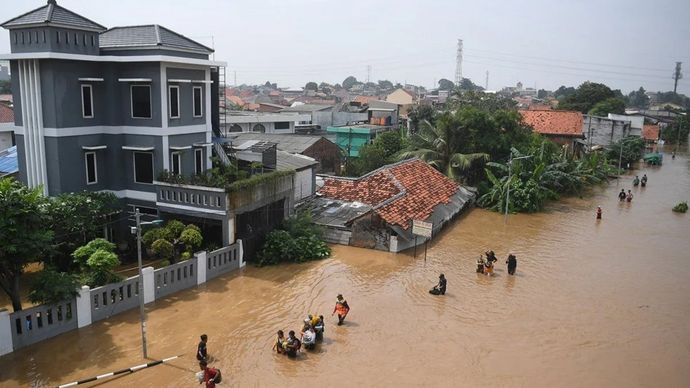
[52, 15]
[554, 122]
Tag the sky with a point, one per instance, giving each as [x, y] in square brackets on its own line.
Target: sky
[541, 43]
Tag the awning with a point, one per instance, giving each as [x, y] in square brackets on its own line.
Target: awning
[134, 79]
[94, 148]
[180, 148]
[137, 148]
[201, 81]
[202, 144]
[90, 79]
[180, 81]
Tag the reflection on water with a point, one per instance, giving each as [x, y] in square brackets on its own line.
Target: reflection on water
[592, 304]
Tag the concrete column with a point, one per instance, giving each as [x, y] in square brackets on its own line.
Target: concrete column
[201, 262]
[228, 230]
[242, 262]
[84, 307]
[6, 345]
[149, 285]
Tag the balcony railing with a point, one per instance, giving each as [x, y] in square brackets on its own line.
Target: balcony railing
[191, 197]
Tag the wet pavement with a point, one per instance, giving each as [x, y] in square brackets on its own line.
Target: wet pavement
[593, 303]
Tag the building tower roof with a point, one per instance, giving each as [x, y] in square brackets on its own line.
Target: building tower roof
[54, 15]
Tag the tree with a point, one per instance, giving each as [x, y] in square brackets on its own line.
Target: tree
[349, 82]
[638, 98]
[677, 131]
[419, 114]
[563, 92]
[586, 96]
[390, 142]
[466, 84]
[370, 158]
[385, 85]
[542, 94]
[76, 219]
[51, 286]
[437, 146]
[174, 239]
[24, 236]
[311, 86]
[297, 240]
[610, 105]
[97, 260]
[632, 150]
[445, 84]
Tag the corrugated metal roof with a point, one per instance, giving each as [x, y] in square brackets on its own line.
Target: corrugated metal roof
[307, 108]
[288, 161]
[9, 162]
[151, 35]
[53, 14]
[295, 144]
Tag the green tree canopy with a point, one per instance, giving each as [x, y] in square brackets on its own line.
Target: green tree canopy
[349, 82]
[638, 98]
[586, 96]
[24, 234]
[419, 114]
[98, 261]
[541, 93]
[563, 92]
[445, 84]
[51, 286]
[173, 239]
[311, 86]
[385, 84]
[610, 105]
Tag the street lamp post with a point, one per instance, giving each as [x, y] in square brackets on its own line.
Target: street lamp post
[510, 165]
[142, 311]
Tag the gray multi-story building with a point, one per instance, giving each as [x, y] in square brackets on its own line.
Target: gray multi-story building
[108, 109]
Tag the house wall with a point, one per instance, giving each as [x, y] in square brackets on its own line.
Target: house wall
[45, 39]
[186, 96]
[603, 131]
[327, 153]
[304, 183]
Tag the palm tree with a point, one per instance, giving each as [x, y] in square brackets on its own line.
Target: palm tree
[436, 146]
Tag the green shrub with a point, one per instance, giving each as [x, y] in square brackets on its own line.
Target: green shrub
[298, 240]
[163, 249]
[51, 286]
[681, 207]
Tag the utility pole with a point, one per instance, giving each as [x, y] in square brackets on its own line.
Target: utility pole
[368, 73]
[458, 64]
[676, 76]
[486, 83]
[142, 310]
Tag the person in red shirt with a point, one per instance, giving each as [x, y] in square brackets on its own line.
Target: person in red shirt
[210, 375]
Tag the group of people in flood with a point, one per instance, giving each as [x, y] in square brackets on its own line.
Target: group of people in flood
[486, 266]
[207, 375]
[628, 197]
[311, 333]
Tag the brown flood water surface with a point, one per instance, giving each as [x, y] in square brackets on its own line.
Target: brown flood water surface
[593, 304]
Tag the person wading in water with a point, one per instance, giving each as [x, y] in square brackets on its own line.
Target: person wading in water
[201, 352]
[512, 264]
[342, 308]
[621, 195]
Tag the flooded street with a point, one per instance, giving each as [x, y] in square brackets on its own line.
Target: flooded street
[593, 304]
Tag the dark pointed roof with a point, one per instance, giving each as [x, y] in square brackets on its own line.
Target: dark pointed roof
[151, 35]
[52, 14]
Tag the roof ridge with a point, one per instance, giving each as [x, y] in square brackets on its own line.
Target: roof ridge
[22, 15]
[184, 37]
[156, 28]
[51, 8]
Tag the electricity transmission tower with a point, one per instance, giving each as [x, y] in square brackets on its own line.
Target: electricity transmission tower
[458, 64]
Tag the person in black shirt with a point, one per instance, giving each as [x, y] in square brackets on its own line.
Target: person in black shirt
[512, 264]
[440, 288]
[201, 352]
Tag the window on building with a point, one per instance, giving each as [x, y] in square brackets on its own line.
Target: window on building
[36, 36]
[282, 125]
[83, 39]
[198, 161]
[87, 101]
[91, 168]
[15, 37]
[57, 35]
[198, 105]
[176, 163]
[143, 167]
[174, 101]
[93, 41]
[76, 39]
[66, 38]
[23, 37]
[44, 36]
[141, 101]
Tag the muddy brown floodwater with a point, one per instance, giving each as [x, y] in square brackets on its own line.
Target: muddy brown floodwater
[593, 304]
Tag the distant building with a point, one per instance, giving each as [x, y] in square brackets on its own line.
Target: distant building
[636, 122]
[324, 116]
[351, 138]
[6, 127]
[404, 98]
[602, 131]
[261, 122]
[650, 133]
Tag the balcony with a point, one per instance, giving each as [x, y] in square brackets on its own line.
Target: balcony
[191, 199]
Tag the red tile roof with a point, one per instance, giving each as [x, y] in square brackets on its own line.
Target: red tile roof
[554, 122]
[650, 132]
[399, 193]
[236, 100]
[6, 114]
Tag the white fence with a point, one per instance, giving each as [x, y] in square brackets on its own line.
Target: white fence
[35, 324]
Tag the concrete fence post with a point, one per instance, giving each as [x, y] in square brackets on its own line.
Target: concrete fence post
[201, 267]
[149, 284]
[242, 262]
[84, 307]
[6, 345]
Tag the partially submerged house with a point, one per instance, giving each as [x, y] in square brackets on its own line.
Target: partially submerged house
[376, 210]
[560, 126]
